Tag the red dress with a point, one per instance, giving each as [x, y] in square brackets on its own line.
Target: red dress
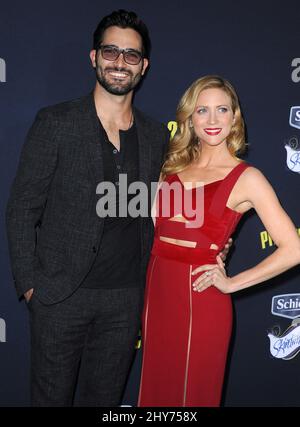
[186, 333]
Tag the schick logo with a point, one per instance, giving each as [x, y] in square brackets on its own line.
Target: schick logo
[295, 117]
[2, 71]
[287, 305]
[2, 330]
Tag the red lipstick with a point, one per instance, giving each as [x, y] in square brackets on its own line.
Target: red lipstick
[212, 131]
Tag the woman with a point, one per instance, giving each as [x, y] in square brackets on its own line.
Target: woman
[188, 314]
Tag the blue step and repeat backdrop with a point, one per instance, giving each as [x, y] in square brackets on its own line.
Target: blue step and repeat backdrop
[44, 59]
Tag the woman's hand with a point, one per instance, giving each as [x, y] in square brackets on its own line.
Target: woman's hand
[215, 275]
[223, 254]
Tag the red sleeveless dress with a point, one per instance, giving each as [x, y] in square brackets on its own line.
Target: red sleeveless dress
[185, 333]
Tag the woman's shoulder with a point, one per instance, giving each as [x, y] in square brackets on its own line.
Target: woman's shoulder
[252, 176]
[251, 171]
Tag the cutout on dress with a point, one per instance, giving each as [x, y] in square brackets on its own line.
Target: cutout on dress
[214, 246]
[178, 218]
[178, 242]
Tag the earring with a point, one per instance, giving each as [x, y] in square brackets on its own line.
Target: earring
[191, 124]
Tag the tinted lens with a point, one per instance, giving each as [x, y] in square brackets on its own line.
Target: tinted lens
[132, 57]
[110, 53]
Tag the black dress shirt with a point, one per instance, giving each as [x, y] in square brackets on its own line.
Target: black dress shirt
[117, 264]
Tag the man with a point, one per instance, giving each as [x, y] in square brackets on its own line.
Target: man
[82, 275]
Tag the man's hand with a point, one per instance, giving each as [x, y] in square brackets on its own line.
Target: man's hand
[28, 295]
[224, 253]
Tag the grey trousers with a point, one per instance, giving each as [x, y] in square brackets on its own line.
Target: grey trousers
[88, 339]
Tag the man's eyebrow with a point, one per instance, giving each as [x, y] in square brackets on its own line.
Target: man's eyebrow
[127, 48]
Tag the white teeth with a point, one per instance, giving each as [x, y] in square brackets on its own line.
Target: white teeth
[118, 75]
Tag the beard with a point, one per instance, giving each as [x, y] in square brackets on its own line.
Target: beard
[117, 87]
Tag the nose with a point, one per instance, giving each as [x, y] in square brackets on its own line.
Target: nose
[119, 62]
[212, 117]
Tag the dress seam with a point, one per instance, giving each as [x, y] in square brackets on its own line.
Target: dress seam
[189, 341]
[146, 325]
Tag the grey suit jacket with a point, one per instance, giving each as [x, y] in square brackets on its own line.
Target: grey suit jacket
[53, 229]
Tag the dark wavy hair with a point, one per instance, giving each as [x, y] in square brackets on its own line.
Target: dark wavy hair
[124, 19]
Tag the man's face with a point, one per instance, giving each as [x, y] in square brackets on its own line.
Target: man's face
[118, 77]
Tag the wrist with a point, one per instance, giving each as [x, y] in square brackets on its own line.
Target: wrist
[232, 285]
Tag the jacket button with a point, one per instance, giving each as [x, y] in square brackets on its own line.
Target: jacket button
[94, 249]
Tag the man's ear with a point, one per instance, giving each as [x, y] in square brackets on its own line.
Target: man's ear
[145, 65]
[93, 57]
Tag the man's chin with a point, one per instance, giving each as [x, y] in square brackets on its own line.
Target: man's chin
[118, 90]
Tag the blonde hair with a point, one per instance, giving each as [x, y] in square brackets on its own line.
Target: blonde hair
[183, 148]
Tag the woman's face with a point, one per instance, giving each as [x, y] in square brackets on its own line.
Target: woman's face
[213, 117]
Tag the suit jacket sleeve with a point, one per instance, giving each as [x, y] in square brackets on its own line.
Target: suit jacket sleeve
[28, 198]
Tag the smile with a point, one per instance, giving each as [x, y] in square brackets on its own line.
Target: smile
[118, 75]
[212, 131]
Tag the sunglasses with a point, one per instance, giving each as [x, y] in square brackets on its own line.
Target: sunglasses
[112, 53]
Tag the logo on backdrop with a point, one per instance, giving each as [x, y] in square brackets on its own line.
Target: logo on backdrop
[2, 330]
[292, 145]
[286, 305]
[295, 117]
[296, 70]
[172, 126]
[2, 71]
[286, 345]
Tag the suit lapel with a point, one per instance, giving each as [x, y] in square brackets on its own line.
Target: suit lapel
[144, 141]
[92, 134]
